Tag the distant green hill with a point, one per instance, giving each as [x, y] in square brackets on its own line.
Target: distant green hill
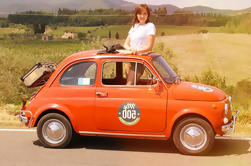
[204, 9]
[248, 10]
[13, 6]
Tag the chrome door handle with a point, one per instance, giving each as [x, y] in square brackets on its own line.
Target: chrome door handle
[102, 94]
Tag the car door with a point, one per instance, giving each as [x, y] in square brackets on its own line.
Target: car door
[140, 107]
[75, 90]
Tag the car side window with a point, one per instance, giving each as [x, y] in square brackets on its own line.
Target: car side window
[147, 78]
[83, 73]
[123, 73]
[109, 70]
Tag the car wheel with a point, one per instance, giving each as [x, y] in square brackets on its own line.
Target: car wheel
[54, 131]
[193, 136]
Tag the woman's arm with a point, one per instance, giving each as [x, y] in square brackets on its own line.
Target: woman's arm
[127, 43]
[148, 46]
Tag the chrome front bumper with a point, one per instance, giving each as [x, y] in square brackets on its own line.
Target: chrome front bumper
[229, 128]
[24, 119]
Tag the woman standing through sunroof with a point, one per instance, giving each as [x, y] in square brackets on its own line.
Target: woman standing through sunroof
[141, 36]
[140, 40]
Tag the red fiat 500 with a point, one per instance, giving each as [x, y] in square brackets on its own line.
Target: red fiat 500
[89, 94]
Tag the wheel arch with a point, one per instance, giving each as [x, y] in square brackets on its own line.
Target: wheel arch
[54, 111]
[189, 115]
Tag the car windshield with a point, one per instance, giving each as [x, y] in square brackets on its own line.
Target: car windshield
[164, 69]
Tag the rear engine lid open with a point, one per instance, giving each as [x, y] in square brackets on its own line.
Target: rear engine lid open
[38, 74]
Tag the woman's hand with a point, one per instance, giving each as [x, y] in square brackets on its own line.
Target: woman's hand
[131, 51]
[124, 51]
[127, 46]
[134, 51]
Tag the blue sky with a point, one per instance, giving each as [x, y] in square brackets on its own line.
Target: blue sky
[217, 4]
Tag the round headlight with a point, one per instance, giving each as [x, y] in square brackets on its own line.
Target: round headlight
[226, 109]
[229, 98]
[225, 120]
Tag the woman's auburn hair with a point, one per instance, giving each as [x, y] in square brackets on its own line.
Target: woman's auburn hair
[138, 10]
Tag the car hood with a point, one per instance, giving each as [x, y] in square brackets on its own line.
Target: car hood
[196, 91]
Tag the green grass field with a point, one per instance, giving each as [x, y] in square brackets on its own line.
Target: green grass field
[6, 31]
[103, 31]
[60, 30]
[41, 48]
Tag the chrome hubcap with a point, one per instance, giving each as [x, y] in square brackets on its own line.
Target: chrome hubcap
[54, 131]
[193, 137]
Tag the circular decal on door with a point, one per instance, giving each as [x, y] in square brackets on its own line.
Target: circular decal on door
[129, 114]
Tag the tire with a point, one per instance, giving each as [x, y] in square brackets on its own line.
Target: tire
[54, 131]
[193, 136]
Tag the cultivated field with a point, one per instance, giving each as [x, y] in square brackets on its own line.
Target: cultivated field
[227, 54]
[103, 31]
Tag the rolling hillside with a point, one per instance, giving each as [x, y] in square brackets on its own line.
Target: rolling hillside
[13, 6]
[204, 9]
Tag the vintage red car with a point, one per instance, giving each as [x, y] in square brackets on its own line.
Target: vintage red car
[88, 94]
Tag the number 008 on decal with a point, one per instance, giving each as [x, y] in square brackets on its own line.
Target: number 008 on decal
[129, 96]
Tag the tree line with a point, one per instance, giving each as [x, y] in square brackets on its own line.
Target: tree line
[99, 17]
[111, 11]
[99, 20]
